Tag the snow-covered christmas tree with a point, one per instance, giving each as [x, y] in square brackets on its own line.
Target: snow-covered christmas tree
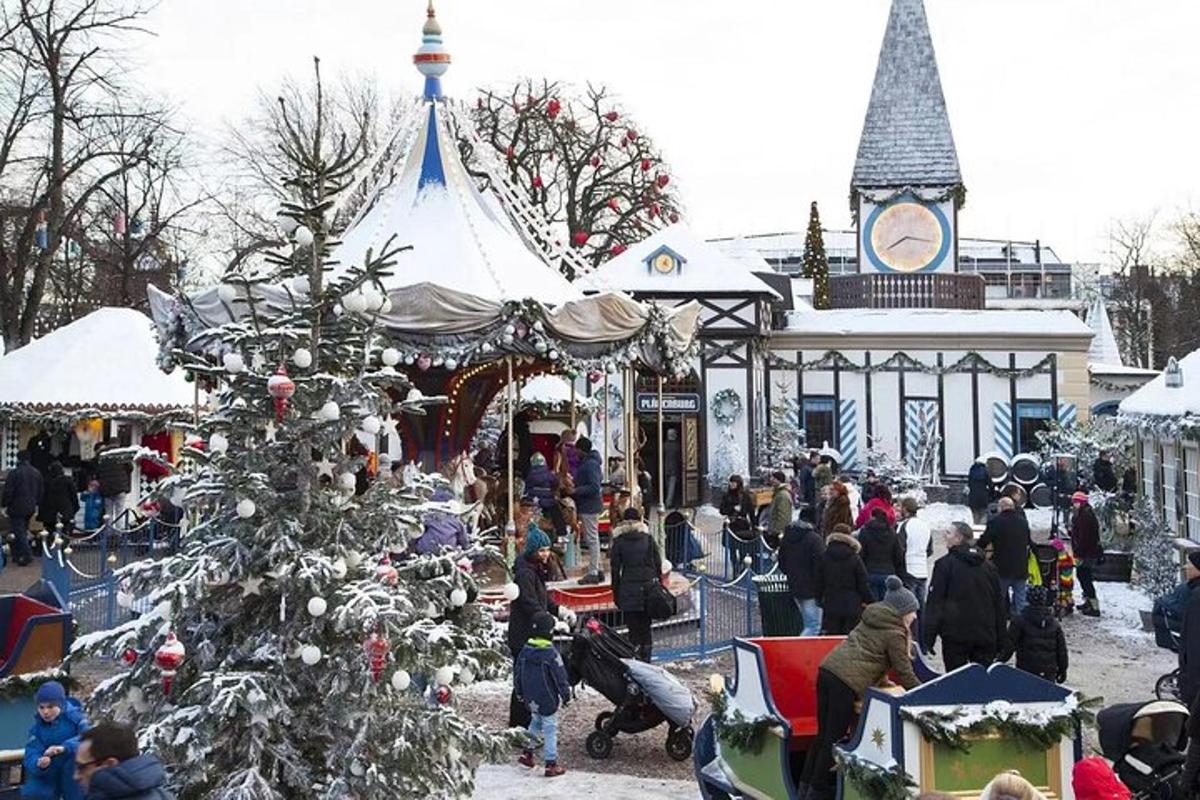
[290, 650]
[783, 439]
[728, 458]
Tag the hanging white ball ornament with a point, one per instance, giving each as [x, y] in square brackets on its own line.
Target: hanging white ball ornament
[330, 412]
[347, 481]
[300, 284]
[233, 362]
[124, 599]
[286, 223]
[458, 597]
[451, 364]
[302, 358]
[338, 567]
[431, 611]
[317, 606]
[353, 559]
[227, 293]
[246, 508]
[310, 654]
[357, 769]
[444, 676]
[372, 299]
[218, 443]
[511, 591]
[303, 237]
[401, 680]
[466, 676]
[355, 302]
[390, 356]
[371, 424]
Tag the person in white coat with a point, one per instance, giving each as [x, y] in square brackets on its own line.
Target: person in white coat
[916, 538]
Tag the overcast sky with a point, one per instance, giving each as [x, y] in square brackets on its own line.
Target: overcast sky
[1067, 113]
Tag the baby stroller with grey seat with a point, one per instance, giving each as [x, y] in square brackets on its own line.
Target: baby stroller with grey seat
[1145, 743]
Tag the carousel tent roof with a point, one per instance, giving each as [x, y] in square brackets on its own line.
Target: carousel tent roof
[702, 267]
[106, 361]
[1158, 399]
[1104, 350]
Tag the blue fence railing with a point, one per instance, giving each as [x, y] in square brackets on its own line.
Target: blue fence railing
[82, 566]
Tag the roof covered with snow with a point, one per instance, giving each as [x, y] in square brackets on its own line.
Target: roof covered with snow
[906, 138]
[1158, 399]
[924, 321]
[107, 361]
[701, 267]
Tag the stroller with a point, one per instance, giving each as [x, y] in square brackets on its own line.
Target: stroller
[1168, 620]
[1046, 556]
[1145, 742]
[644, 695]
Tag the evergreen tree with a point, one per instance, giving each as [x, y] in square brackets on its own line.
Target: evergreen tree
[815, 263]
[315, 666]
[783, 439]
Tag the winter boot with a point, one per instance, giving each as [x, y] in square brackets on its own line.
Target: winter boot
[553, 770]
[1092, 608]
[526, 759]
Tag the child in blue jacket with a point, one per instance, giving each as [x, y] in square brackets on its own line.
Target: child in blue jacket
[541, 683]
[53, 739]
[93, 506]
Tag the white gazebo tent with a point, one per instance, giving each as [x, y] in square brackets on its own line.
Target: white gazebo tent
[96, 377]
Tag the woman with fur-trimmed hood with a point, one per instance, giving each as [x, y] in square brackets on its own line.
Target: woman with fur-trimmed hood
[843, 589]
[636, 565]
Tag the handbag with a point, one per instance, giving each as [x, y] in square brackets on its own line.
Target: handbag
[658, 601]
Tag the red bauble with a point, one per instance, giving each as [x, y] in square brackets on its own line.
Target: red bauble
[443, 694]
[595, 162]
[654, 210]
[674, 217]
[617, 249]
[281, 388]
[612, 203]
[129, 657]
[580, 237]
[662, 181]
[386, 572]
[632, 134]
[168, 658]
[645, 165]
[552, 108]
[595, 375]
[612, 116]
[376, 650]
[537, 181]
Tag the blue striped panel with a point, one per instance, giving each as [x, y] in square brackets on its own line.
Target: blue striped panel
[848, 434]
[918, 416]
[1067, 414]
[1002, 428]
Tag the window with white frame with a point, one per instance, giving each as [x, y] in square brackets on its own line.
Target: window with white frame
[1150, 470]
[1170, 476]
[1191, 487]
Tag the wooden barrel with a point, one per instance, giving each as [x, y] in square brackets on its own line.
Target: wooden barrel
[1019, 495]
[996, 465]
[1026, 469]
[1041, 496]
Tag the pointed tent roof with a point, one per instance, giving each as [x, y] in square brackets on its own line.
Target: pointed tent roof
[1104, 348]
[105, 361]
[906, 138]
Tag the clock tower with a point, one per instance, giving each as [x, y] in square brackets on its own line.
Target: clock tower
[907, 188]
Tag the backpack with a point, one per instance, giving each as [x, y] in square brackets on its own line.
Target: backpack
[659, 603]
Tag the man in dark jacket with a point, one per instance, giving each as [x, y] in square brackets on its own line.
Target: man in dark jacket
[1037, 639]
[114, 477]
[1008, 535]
[589, 500]
[636, 564]
[842, 586]
[965, 606]
[807, 482]
[1085, 546]
[800, 555]
[1189, 644]
[1103, 474]
[21, 497]
[109, 766]
[979, 491]
[529, 573]
[881, 552]
[60, 500]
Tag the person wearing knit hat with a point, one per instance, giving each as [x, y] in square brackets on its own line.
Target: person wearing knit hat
[1086, 547]
[529, 574]
[1094, 779]
[1037, 639]
[881, 644]
[53, 740]
[540, 681]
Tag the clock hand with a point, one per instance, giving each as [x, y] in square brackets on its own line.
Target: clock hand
[898, 241]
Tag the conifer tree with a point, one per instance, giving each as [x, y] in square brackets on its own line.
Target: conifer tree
[815, 263]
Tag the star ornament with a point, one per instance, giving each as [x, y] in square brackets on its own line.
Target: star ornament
[251, 586]
[878, 738]
[389, 426]
[324, 468]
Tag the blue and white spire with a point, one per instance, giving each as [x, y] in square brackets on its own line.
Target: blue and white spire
[432, 59]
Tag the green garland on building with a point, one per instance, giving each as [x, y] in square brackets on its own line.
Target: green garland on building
[734, 729]
[1037, 731]
[27, 684]
[872, 780]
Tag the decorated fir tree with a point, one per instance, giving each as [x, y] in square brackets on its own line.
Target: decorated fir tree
[285, 653]
[816, 263]
[783, 439]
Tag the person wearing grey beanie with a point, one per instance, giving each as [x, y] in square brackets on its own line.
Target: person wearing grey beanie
[899, 598]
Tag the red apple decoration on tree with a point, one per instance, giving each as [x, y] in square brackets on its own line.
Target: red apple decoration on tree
[580, 238]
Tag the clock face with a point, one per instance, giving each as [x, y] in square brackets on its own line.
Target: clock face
[906, 236]
[664, 263]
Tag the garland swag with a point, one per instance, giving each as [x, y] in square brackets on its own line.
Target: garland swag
[1037, 730]
[27, 684]
[873, 780]
[734, 729]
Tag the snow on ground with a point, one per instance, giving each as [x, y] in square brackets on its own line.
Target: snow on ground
[941, 515]
[507, 782]
[1120, 605]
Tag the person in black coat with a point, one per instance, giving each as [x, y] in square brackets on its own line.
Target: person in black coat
[842, 586]
[529, 574]
[21, 496]
[1037, 639]
[1087, 550]
[979, 491]
[636, 565]
[1008, 535]
[59, 499]
[738, 507]
[1189, 644]
[114, 477]
[800, 554]
[965, 605]
[881, 552]
[1103, 474]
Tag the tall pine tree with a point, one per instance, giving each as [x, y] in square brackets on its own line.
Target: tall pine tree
[315, 666]
[816, 264]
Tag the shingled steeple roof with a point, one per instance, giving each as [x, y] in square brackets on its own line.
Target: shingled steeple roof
[906, 138]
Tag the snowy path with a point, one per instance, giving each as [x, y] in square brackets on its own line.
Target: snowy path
[507, 782]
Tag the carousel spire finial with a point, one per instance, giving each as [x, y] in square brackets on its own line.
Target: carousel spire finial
[432, 59]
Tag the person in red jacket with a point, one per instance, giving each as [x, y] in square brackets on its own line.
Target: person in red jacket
[883, 501]
[1085, 546]
[1094, 779]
